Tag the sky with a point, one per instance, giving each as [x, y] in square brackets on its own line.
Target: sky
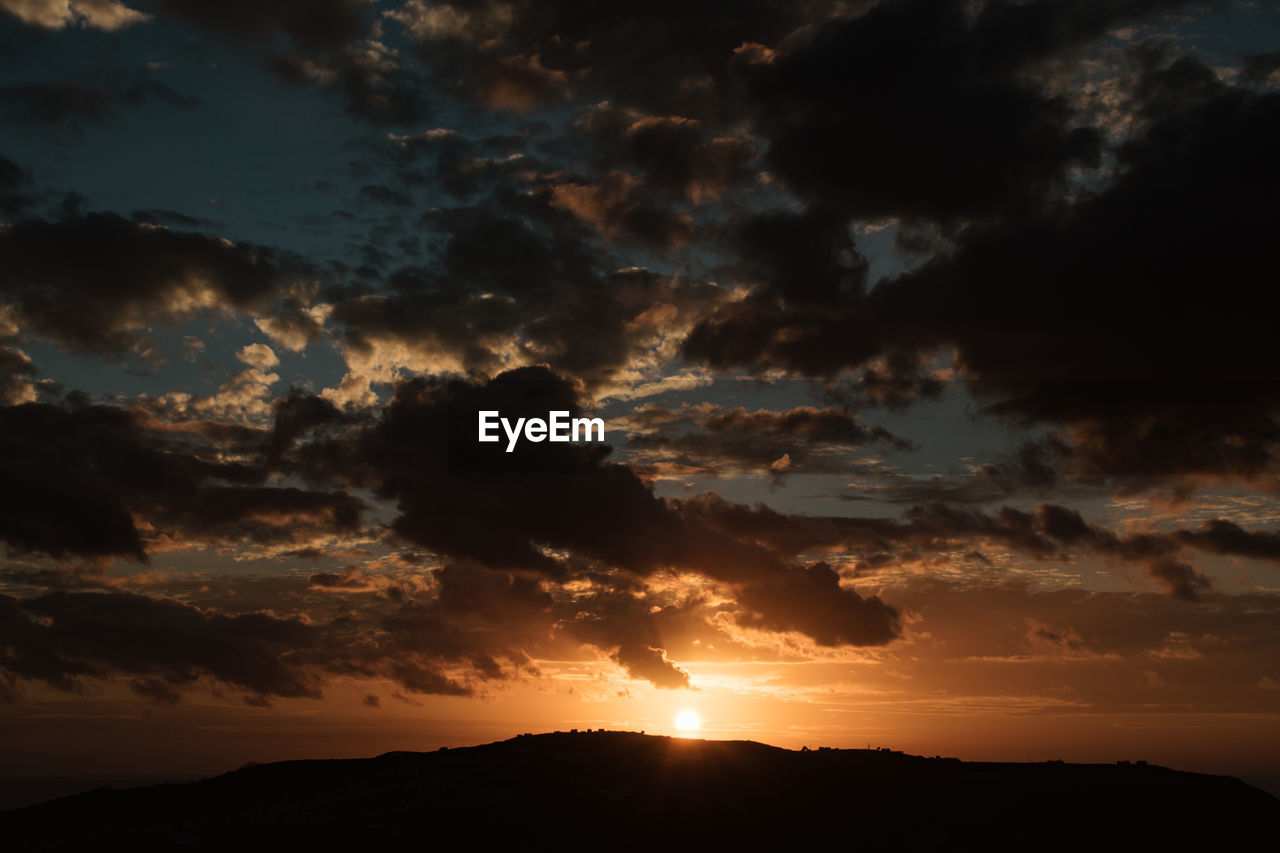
[934, 343]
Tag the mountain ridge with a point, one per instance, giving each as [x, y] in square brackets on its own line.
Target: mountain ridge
[626, 790]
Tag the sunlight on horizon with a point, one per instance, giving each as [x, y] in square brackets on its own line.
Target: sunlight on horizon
[688, 721]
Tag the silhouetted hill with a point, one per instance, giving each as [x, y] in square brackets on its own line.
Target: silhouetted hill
[619, 790]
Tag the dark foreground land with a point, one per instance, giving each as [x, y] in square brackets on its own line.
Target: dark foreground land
[622, 791]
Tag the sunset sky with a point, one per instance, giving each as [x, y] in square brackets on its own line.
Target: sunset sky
[935, 341]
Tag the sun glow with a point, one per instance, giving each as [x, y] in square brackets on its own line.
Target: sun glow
[688, 721]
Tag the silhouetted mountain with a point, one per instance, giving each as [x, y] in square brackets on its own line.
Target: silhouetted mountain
[618, 790]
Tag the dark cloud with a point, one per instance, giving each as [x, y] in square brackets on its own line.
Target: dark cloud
[445, 634]
[374, 86]
[74, 104]
[635, 630]
[531, 259]
[156, 216]
[444, 322]
[792, 535]
[1051, 532]
[480, 618]
[295, 415]
[1259, 67]
[1025, 472]
[812, 601]
[62, 637]
[463, 170]
[100, 481]
[1154, 375]
[1166, 84]
[954, 125]
[471, 622]
[263, 515]
[807, 274]
[157, 690]
[1181, 579]
[56, 500]
[16, 370]
[617, 207]
[349, 579]
[96, 282]
[313, 23]
[548, 297]
[1086, 247]
[1220, 536]
[798, 258]
[549, 508]
[663, 58]
[15, 188]
[679, 156]
[652, 665]
[712, 439]
[471, 500]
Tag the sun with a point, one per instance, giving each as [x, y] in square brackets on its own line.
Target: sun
[688, 721]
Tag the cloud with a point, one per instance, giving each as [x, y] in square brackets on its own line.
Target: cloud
[813, 601]
[550, 297]
[614, 206]
[711, 439]
[481, 619]
[652, 665]
[15, 188]
[1082, 257]
[1260, 67]
[552, 509]
[475, 501]
[56, 503]
[1089, 645]
[374, 84]
[294, 327]
[123, 276]
[1051, 532]
[160, 216]
[258, 356]
[676, 155]
[62, 637]
[313, 23]
[1219, 536]
[958, 125]
[462, 169]
[1144, 389]
[16, 370]
[458, 628]
[102, 482]
[663, 60]
[76, 104]
[106, 15]
[294, 416]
